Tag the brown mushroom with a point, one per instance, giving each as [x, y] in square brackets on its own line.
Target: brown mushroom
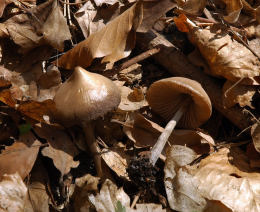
[84, 97]
[179, 101]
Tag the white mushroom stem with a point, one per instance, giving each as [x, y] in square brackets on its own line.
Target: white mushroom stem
[163, 138]
[92, 144]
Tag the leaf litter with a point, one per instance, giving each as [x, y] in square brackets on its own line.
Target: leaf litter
[46, 165]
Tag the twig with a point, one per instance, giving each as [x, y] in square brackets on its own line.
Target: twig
[233, 86]
[136, 199]
[75, 3]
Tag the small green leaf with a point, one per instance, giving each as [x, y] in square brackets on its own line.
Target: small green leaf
[24, 128]
[120, 207]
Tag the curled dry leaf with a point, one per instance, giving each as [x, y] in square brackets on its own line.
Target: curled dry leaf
[255, 133]
[114, 42]
[237, 94]
[233, 9]
[44, 25]
[3, 4]
[145, 133]
[20, 156]
[92, 20]
[84, 186]
[61, 149]
[116, 160]
[227, 177]
[194, 7]
[101, 2]
[13, 193]
[131, 100]
[180, 188]
[225, 56]
[108, 197]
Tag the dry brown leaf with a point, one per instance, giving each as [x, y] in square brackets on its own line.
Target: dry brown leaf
[131, 100]
[255, 133]
[13, 193]
[227, 177]
[194, 7]
[100, 2]
[233, 9]
[225, 56]
[84, 186]
[145, 133]
[38, 196]
[108, 197]
[116, 160]
[237, 94]
[61, 149]
[44, 24]
[114, 42]
[3, 4]
[180, 187]
[20, 156]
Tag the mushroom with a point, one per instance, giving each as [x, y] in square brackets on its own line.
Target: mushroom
[179, 101]
[84, 97]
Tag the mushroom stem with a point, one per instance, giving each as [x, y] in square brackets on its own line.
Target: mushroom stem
[163, 138]
[91, 141]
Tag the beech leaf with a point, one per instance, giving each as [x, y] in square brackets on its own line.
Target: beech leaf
[114, 42]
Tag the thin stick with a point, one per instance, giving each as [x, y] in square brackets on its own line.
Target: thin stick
[233, 86]
[136, 199]
[75, 3]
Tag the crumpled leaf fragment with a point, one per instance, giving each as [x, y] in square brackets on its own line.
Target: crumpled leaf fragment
[255, 133]
[226, 176]
[194, 7]
[44, 25]
[61, 149]
[3, 4]
[100, 2]
[233, 9]
[225, 56]
[131, 100]
[20, 156]
[116, 160]
[113, 42]
[13, 193]
[180, 187]
[108, 197]
[237, 94]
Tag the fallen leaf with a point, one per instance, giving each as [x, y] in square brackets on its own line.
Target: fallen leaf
[108, 197]
[255, 133]
[149, 207]
[116, 160]
[182, 193]
[13, 193]
[237, 94]
[233, 9]
[131, 100]
[20, 156]
[114, 42]
[61, 149]
[101, 2]
[44, 24]
[194, 7]
[217, 48]
[3, 4]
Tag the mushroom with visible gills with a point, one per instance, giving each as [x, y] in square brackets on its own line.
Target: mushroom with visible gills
[84, 97]
[179, 101]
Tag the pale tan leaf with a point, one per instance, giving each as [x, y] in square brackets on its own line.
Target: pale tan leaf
[225, 56]
[131, 100]
[149, 207]
[180, 188]
[113, 42]
[108, 197]
[13, 193]
[227, 177]
[44, 25]
[237, 94]
[25, 150]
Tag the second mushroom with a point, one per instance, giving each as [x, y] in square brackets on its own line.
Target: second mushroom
[180, 101]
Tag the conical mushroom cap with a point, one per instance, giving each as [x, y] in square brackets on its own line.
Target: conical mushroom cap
[167, 95]
[86, 96]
